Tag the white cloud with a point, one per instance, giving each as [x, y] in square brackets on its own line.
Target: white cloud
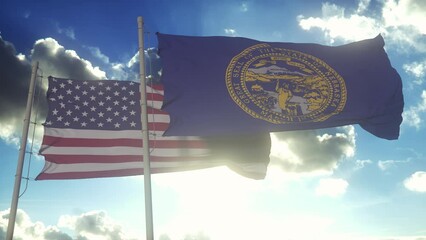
[69, 31]
[332, 187]
[97, 225]
[362, 163]
[8, 132]
[118, 70]
[21, 57]
[96, 52]
[335, 24]
[405, 13]
[152, 62]
[133, 60]
[244, 7]
[413, 115]
[25, 228]
[57, 61]
[402, 23]
[417, 70]
[230, 32]
[388, 164]
[362, 6]
[416, 182]
[93, 225]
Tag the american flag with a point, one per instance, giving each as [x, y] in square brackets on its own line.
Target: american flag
[93, 129]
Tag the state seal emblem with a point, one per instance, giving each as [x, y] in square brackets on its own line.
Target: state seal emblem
[284, 86]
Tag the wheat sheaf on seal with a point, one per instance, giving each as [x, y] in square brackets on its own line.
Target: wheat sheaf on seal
[282, 86]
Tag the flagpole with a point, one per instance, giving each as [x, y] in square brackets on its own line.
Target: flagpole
[18, 176]
[145, 135]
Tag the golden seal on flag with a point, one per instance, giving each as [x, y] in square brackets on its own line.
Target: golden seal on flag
[281, 85]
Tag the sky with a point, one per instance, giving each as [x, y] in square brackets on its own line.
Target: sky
[339, 183]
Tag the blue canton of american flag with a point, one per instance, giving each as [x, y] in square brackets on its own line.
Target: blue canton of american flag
[108, 105]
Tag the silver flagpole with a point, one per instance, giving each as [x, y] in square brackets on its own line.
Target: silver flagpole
[145, 135]
[18, 176]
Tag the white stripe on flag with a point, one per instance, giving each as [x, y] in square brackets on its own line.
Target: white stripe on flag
[154, 104]
[88, 167]
[92, 134]
[109, 134]
[158, 118]
[116, 151]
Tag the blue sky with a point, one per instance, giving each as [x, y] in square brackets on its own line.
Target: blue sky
[340, 183]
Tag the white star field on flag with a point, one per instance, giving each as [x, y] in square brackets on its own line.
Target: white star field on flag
[107, 105]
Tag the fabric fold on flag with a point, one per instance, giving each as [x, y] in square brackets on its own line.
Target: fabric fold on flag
[93, 130]
[245, 150]
[231, 85]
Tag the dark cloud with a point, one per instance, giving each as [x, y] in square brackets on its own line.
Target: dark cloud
[152, 65]
[309, 151]
[97, 223]
[54, 234]
[94, 223]
[15, 75]
[14, 79]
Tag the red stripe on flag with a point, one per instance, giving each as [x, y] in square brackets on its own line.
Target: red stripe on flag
[111, 173]
[92, 174]
[71, 159]
[151, 110]
[85, 142]
[158, 87]
[154, 97]
[158, 126]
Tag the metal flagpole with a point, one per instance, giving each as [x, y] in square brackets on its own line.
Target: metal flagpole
[145, 135]
[18, 176]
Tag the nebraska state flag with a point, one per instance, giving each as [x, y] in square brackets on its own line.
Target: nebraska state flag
[230, 85]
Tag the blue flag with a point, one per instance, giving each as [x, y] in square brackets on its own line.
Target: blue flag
[231, 85]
